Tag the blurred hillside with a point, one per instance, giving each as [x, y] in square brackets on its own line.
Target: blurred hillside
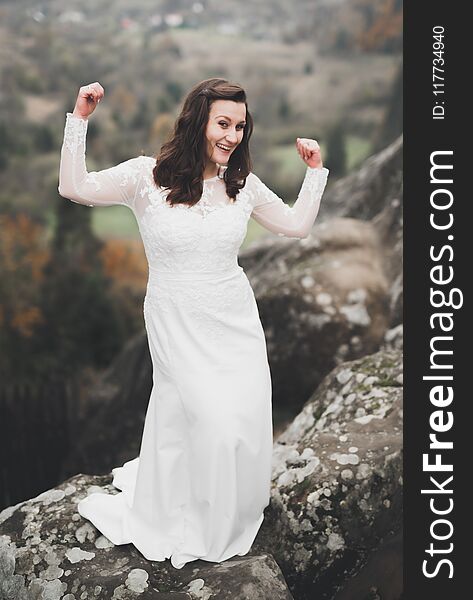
[342, 24]
[324, 69]
[304, 74]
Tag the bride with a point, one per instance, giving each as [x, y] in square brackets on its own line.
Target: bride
[202, 479]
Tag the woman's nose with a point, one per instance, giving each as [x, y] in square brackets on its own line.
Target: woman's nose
[232, 137]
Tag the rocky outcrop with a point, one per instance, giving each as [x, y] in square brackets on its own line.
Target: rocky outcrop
[375, 193]
[331, 306]
[365, 192]
[394, 338]
[49, 552]
[337, 480]
[334, 295]
[322, 301]
[389, 226]
[335, 511]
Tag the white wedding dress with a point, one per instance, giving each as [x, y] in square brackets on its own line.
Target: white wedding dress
[202, 479]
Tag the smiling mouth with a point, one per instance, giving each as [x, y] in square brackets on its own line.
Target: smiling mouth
[224, 148]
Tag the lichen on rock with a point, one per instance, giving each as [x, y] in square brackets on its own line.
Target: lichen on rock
[337, 485]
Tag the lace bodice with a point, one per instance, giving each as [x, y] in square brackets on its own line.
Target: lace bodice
[204, 237]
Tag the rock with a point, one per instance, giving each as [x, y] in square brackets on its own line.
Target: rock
[393, 338]
[322, 301]
[337, 478]
[48, 551]
[365, 192]
[389, 225]
[380, 576]
[333, 296]
[375, 193]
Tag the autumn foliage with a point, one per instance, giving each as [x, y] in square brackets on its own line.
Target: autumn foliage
[383, 29]
[62, 311]
[23, 255]
[125, 263]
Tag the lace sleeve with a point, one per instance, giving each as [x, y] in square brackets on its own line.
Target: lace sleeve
[293, 221]
[116, 185]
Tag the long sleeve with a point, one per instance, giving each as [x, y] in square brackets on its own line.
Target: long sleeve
[270, 211]
[116, 185]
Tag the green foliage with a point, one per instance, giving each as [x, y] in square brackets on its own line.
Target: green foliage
[336, 150]
[163, 104]
[81, 321]
[28, 80]
[43, 138]
[343, 41]
[143, 116]
[392, 124]
[174, 90]
[284, 110]
[7, 145]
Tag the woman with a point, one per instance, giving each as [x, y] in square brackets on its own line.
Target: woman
[202, 479]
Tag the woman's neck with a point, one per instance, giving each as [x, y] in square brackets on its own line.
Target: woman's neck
[211, 170]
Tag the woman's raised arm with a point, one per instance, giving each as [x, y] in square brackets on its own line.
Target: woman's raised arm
[293, 221]
[116, 185]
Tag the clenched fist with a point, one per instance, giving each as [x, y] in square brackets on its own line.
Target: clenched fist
[309, 151]
[87, 99]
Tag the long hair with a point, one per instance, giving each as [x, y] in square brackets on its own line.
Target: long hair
[181, 160]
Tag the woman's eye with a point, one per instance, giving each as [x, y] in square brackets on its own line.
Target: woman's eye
[222, 123]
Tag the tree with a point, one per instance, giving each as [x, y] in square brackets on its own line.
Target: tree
[81, 320]
[392, 124]
[284, 109]
[336, 150]
[383, 27]
[22, 258]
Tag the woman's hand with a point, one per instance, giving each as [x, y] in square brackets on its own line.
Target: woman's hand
[87, 99]
[309, 151]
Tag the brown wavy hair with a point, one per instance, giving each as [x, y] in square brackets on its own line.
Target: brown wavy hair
[181, 160]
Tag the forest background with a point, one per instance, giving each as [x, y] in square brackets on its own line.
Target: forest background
[72, 279]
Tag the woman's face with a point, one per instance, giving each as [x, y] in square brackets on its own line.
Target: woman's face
[224, 128]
